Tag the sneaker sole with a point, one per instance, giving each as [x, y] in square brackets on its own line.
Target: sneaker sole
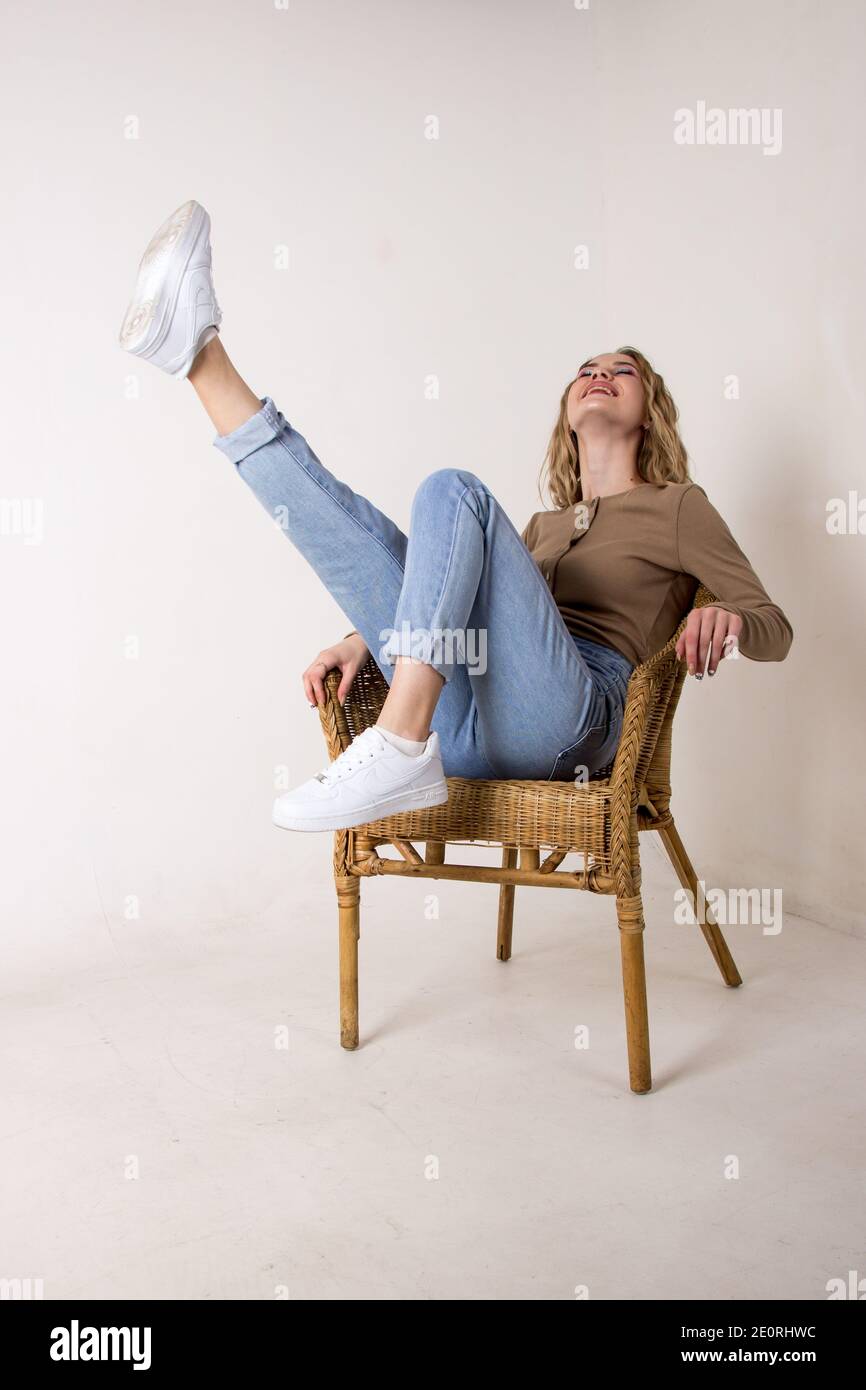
[160, 275]
[418, 800]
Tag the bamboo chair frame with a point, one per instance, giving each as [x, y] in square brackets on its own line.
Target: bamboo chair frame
[600, 819]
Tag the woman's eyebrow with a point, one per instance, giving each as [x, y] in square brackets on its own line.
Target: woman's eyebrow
[621, 362]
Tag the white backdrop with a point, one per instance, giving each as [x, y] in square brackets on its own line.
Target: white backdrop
[155, 625]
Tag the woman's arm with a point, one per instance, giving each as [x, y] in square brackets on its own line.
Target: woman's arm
[709, 553]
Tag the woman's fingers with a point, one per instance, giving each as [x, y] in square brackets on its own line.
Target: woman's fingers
[344, 658]
[349, 670]
[702, 642]
[314, 677]
[720, 628]
[318, 684]
[705, 638]
[691, 634]
[313, 686]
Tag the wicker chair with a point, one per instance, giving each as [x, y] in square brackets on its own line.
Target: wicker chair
[599, 819]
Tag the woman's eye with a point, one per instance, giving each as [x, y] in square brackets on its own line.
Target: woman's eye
[585, 370]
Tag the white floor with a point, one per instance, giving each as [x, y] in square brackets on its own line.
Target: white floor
[157, 1142]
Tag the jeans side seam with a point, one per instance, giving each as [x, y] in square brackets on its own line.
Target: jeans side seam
[350, 514]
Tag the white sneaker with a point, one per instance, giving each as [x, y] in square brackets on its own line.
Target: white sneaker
[174, 309]
[370, 780]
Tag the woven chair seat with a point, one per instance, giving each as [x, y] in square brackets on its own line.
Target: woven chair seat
[555, 815]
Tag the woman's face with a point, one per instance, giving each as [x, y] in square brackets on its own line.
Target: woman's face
[607, 388]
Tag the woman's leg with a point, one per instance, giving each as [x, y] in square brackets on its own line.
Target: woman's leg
[355, 549]
[516, 688]
[221, 389]
[474, 600]
[496, 671]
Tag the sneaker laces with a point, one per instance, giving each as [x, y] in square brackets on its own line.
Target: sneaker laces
[360, 751]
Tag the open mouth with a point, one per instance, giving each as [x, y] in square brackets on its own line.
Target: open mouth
[601, 390]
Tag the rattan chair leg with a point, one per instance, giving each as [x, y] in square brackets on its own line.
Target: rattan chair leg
[710, 928]
[529, 857]
[434, 852]
[629, 913]
[506, 907]
[349, 909]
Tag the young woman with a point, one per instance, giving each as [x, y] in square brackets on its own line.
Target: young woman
[506, 655]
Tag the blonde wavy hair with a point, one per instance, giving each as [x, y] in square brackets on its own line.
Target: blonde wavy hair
[662, 457]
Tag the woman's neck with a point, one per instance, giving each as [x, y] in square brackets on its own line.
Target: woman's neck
[608, 465]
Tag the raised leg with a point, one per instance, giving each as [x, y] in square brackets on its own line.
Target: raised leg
[629, 913]
[461, 594]
[506, 907]
[356, 550]
[349, 908]
[688, 879]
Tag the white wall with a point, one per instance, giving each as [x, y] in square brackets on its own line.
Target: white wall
[408, 256]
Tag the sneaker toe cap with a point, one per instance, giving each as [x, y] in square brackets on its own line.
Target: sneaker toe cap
[302, 802]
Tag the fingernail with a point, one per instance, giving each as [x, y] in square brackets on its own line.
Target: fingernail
[691, 670]
[711, 673]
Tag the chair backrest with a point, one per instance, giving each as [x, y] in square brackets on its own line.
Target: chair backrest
[642, 765]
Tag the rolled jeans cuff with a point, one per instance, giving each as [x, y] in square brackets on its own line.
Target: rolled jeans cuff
[260, 429]
[423, 644]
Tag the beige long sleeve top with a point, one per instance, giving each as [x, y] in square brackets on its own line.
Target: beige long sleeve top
[624, 570]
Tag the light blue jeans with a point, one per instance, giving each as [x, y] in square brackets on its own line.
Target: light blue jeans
[522, 698]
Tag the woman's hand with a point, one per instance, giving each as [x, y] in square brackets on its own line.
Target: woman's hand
[348, 656]
[704, 635]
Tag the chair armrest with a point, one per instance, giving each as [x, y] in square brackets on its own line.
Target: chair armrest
[641, 770]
